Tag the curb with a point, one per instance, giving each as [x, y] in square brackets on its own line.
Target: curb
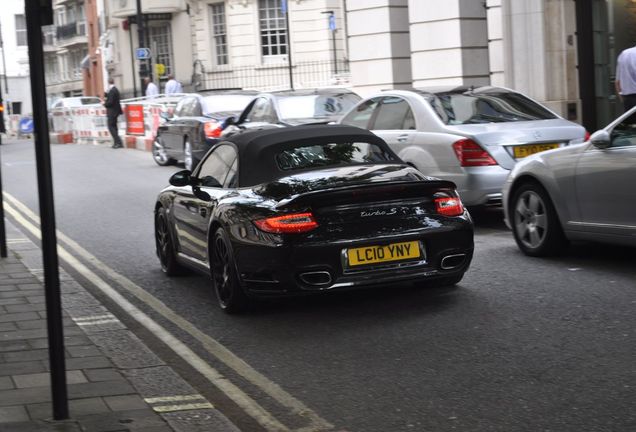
[160, 387]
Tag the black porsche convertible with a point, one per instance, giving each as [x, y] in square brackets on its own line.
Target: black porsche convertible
[311, 208]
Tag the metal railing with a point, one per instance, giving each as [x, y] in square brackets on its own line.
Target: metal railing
[71, 30]
[270, 77]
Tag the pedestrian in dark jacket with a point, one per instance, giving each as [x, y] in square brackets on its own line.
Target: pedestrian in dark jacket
[113, 110]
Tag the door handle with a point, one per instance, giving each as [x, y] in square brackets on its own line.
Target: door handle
[402, 138]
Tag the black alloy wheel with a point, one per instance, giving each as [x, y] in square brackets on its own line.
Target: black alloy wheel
[535, 223]
[159, 154]
[229, 293]
[165, 248]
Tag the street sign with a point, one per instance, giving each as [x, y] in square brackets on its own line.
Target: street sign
[142, 53]
[332, 22]
[26, 125]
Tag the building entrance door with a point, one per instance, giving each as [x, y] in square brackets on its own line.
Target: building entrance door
[607, 27]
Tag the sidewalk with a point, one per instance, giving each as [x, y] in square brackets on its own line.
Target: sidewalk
[115, 383]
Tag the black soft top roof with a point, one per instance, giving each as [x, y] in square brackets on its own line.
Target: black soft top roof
[257, 149]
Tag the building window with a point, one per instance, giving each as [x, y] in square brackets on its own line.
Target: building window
[81, 20]
[219, 33]
[273, 28]
[20, 30]
[161, 45]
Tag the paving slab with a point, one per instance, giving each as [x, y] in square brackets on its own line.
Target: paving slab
[115, 383]
[43, 379]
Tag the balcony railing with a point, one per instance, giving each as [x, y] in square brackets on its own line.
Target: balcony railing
[71, 30]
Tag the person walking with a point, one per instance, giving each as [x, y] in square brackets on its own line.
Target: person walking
[151, 88]
[173, 86]
[113, 110]
[626, 77]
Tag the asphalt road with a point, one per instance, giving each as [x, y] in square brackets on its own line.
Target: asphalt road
[520, 345]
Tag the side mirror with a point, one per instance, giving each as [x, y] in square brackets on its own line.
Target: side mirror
[601, 139]
[181, 178]
[202, 195]
[229, 121]
[165, 115]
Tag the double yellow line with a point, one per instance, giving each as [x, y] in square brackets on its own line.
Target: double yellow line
[31, 222]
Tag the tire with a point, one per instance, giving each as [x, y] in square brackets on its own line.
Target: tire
[164, 245]
[189, 161]
[229, 293]
[535, 223]
[159, 154]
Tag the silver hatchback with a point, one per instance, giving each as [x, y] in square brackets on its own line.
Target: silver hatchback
[583, 192]
[471, 136]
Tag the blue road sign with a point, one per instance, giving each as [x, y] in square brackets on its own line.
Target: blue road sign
[26, 125]
[332, 22]
[142, 53]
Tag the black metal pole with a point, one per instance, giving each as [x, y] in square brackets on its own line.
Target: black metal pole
[140, 42]
[289, 55]
[3, 232]
[331, 19]
[147, 44]
[132, 59]
[35, 18]
[4, 66]
[335, 54]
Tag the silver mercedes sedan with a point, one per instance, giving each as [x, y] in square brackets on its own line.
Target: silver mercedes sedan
[581, 192]
[471, 136]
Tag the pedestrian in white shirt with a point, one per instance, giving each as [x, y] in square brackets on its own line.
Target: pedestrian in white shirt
[626, 77]
[151, 88]
[173, 86]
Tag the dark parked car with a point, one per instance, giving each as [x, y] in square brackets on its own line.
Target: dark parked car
[293, 108]
[196, 125]
[299, 210]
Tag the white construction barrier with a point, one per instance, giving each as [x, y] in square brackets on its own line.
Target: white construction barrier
[89, 124]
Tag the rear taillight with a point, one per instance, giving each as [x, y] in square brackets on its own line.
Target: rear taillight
[470, 153]
[212, 129]
[587, 136]
[449, 206]
[288, 224]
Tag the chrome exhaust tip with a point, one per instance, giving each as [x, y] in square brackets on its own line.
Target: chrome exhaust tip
[318, 279]
[450, 262]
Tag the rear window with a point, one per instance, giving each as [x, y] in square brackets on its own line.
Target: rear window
[330, 154]
[219, 103]
[316, 106]
[486, 107]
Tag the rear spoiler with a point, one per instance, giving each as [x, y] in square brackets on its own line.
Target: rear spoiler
[371, 192]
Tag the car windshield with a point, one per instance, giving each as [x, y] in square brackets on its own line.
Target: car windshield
[218, 103]
[486, 107]
[319, 106]
[329, 154]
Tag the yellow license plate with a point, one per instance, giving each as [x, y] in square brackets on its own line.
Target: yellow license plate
[527, 150]
[379, 254]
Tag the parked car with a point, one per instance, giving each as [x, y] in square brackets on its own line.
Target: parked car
[196, 125]
[471, 136]
[72, 102]
[582, 192]
[279, 212]
[293, 108]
